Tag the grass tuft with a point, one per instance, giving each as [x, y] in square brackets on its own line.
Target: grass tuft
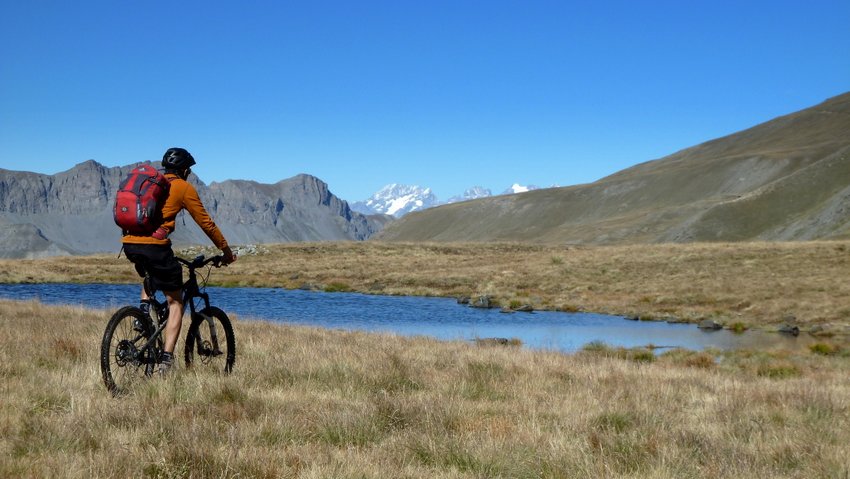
[824, 349]
[337, 287]
[617, 422]
[779, 370]
[638, 355]
[738, 327]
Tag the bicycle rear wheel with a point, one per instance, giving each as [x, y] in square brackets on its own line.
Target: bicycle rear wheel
[210, 342]
[121, 362]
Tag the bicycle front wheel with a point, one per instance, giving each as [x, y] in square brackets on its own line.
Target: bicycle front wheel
[210, 343]
[122, 361]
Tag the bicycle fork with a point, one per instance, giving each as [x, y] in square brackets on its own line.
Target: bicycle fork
[211, 347]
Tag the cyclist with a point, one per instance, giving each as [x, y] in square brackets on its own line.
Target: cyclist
[153, 254]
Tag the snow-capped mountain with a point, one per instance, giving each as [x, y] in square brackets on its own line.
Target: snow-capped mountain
[471, 194]
[397, 200]
[517, 188]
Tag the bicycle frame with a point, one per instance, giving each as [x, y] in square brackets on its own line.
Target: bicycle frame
[190, 291]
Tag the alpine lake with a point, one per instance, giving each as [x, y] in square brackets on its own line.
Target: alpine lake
[442, 318]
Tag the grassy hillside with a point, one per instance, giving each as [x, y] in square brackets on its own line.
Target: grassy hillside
[313, 403]
[787, 179]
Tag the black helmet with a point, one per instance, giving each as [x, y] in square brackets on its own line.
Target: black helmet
[177, 159]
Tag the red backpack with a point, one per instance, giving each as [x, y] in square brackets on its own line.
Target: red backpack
[138, 204]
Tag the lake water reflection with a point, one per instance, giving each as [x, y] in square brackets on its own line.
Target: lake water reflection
[438, 317]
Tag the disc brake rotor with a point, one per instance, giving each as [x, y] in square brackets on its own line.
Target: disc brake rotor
[206, 346]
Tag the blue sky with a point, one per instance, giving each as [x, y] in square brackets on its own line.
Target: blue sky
[445, 94]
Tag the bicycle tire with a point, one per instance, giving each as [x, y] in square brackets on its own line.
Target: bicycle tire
[204, 342]
[128, 329]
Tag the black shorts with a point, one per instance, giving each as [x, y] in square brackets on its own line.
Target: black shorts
[158, 261]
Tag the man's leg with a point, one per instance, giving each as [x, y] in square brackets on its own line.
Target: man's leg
[144, 302]
[175, 320]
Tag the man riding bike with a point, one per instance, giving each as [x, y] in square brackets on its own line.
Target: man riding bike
[152, 255]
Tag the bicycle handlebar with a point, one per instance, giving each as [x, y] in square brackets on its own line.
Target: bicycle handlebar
[200, 261]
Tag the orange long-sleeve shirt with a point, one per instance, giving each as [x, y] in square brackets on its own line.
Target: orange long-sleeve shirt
[182, 195]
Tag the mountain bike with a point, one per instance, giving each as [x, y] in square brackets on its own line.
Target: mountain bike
[133, 340]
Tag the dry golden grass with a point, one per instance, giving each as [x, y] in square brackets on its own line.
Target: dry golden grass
[748, 284]
[313, 403]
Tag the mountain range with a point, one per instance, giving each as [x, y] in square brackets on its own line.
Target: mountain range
[71, 212]
[398, 200]
[786, 179]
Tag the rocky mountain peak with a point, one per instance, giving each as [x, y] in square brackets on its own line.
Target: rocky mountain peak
[88, 165]
[72, 211]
